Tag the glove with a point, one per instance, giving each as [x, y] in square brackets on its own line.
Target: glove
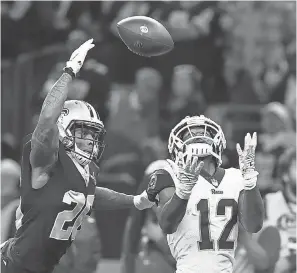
[188, 177]
[142, 202]
[78, 56]
[247, 161]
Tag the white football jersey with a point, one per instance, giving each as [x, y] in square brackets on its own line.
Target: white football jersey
[206, 238]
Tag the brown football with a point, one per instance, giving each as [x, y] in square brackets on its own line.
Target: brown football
[145, 36]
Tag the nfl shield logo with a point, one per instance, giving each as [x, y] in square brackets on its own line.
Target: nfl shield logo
[214, 182]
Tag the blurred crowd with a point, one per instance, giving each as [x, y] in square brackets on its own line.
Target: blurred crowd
[234, 62]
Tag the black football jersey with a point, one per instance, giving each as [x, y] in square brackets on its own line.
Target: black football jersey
[48, 219]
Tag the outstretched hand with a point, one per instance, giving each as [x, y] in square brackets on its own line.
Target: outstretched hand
[247, 157]
[188, 176]
[78, 56]
[192, 169]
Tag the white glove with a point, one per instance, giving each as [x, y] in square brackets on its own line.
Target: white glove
[78, 56]
[142, 202]
[247, 161]
[188, 177]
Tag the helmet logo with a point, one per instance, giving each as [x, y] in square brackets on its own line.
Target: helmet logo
[65, 111]
[144, 29]
[153, 181]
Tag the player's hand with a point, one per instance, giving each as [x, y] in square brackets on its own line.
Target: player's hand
[247, 161]
[188, 176]
[78, 56]
[142, 202]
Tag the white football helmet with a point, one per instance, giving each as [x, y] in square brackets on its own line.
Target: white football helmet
[80, 114]
[209, 141]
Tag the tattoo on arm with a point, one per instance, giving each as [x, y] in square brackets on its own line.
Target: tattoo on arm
[55, 99]
[45, 138]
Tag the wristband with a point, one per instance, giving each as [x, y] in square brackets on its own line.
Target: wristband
[69, 71]
[184, 191]
[250, 184]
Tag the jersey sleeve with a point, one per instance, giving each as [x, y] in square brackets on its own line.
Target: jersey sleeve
[156, 178]
[157, 181]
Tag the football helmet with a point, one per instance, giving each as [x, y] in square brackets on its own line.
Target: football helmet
[76, 118]
[209, 140]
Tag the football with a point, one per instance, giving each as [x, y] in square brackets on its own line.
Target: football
[145, 36]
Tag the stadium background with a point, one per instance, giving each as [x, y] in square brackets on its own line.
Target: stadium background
[233, 61]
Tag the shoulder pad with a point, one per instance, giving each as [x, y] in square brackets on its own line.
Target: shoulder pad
[159, 179]
[156, 165]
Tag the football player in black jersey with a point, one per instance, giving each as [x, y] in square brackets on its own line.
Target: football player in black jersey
[58, 179]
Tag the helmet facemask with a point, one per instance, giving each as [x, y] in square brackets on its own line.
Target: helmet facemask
[80, 130]
[196, 136]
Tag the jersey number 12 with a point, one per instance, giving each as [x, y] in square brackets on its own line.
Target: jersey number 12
[206, 243]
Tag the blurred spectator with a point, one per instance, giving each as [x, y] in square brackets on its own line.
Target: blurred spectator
[281, 211]
[278, 128]
[85, 252]
[9, 147]
[10, 178]
[258, 253]
[197, 36]
[290, 98]
[134, 113]
[20, 17]
[187, 97]
[256, 36]
[92, 84]
[277, 134]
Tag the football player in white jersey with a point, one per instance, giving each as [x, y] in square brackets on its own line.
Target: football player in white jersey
[202, 205]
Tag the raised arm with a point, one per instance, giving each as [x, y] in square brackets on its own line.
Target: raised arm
[251, 206]
[45, 138]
